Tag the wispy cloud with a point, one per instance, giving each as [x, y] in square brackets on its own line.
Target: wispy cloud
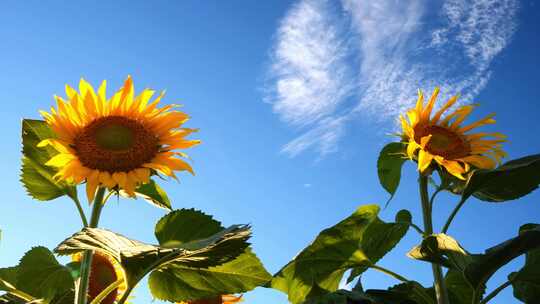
[333, 63]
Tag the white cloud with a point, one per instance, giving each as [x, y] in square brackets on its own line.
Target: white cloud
[310, 77]
[375, 55]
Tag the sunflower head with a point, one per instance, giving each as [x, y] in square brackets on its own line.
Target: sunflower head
[224, 299]
[103, 272]
[118, 142]
[446, 141]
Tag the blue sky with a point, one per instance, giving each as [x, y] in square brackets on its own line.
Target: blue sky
[294, 100]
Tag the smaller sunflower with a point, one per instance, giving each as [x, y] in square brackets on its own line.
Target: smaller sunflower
[224, 299]
[446, 142]
[103, 272]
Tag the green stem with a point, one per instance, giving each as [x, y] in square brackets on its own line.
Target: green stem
[80, 209]
[389, 272]
[495, 292]
[86, 262]
[105, 292]
[432, 199]
[452, 215]
[440, 286]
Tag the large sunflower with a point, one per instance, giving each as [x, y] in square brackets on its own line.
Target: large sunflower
[104, 271]
[445, 141]
[224, 299]
[117, 143]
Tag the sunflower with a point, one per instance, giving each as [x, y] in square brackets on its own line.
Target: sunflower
[224, 299]
[116, 143]
[103, 272]
[446, 142]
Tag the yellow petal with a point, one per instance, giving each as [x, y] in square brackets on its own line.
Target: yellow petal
[427, 111]
[419, 102]
[439, 113]
[92, 185]
[484, 121]
[424, 160]
[60, 160]
[454, 168]
[479, 161]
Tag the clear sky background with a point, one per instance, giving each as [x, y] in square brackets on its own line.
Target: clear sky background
[294, 100]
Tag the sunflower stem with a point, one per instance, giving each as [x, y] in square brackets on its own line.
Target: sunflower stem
[80, 209]
[452, 215]
[105, 292]
[86, 262]
[440, 286]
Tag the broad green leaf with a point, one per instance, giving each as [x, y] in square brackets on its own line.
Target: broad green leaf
[192, 229]
[526, 282]
[8, 278]
[380, 238]
[510, 181]
[35, 176]
[459, 290]
[177, 282]
[485, 265]
[184, 226]
[138, 258]
[441, 249]
[320, 266]
[40, 274]
[154, 194]
[404, 293]
[389, 165]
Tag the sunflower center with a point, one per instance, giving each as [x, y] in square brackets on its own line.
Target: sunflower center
[443, 142]
[115, 144]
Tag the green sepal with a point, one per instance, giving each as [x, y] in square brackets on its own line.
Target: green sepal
[36, 177]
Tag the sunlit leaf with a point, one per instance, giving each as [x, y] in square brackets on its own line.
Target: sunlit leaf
[35, 176]
[154, 194]
[318, 269]
[195, 253]
[441, 249]
[177, 282]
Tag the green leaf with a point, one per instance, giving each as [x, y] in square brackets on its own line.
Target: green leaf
[138, 258]
[485, 265]
[184, 226]
[441, 249]
[510, 181]
[380, 238]
[195, 252]
[319, 268]
[154, 194]
[40, 274]
[526, 282]
[177, 282]
[459, 290]
[35, 176]
[389, 165]
[405, 293]
[8, 278]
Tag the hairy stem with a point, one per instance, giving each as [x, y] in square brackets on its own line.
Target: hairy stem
[86, 262]
[105, 292]
[495, 292]
[440, 287]
[80, 209]
[452, 215]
